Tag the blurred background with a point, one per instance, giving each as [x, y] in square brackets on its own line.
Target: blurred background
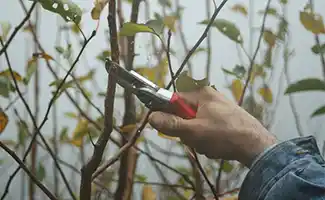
[291, 49]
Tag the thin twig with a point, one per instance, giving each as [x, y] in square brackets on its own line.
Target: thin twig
[25, 168]
[213, 190]
[197, 44]
[168, 58]
[252, 61]
[317, 40]
[209, 46]
[163, 176]
[129, 144]
[20, 25]
[37, 132]
[183, 39]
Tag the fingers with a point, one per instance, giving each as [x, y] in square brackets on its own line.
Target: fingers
[169, 124]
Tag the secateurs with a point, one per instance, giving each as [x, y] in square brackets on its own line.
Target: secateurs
[154, 97]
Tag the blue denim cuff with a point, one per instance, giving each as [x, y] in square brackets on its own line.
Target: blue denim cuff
[274, 163]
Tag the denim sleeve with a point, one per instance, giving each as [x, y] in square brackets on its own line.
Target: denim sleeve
[290, 170]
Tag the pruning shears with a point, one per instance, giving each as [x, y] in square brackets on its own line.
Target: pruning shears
[153, 97]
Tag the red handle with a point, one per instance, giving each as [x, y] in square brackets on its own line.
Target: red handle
[181, 108]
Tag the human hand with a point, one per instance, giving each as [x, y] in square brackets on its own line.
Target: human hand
[221, 129]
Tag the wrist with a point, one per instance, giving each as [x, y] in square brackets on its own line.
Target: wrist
[260, 144]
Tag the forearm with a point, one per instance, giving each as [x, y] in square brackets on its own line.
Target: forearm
[292, 169]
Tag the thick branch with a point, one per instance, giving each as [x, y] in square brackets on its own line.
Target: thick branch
[93, 163]
[128, 159]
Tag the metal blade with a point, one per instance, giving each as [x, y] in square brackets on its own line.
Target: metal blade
[131, 77]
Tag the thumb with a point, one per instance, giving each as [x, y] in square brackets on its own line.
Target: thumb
[169, 124]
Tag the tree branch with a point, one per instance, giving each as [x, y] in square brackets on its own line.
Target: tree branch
[21, 24]
[30, 174]
[37, 131]
[139, 130]
[128, 159]
[252, 61]
[91, 166]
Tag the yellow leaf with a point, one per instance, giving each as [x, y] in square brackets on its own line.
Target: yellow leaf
[7, 73]
[43, 55]
[240, 8]
[230, 198]
[78, 133]
[236, 89]
[258, 70]
[169, 21]
[188, 194]
[75, 28]
[140, 139]
[148, 193]
[3, 120]
[269, 37]
[312, 22]
[28, 28]
[128, 128]
[155, 74]
[266, 93]
[9, 142]
[98, 8]
[5, 29]
[168, 137]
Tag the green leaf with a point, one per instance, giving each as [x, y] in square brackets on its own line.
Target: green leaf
[270, 11]
[319, 111]
[157, 25]
[5, 28]
[166, 3]
[68, 10]
[185, 83]
[318, 49]
[40, 172]
[71, 83]
[130, 29]
[6, 86]
[140, 177]
[64, 134]
[71, 115]
[227, 166]
[284, 2]
[240, 9]
[238, 71]
[309, 84]
[30, 70]
[22, 131]
[253, 108]
[184, 170]
[226, 27]
[59, 49]
[67, 53]
[282, 29]
[269, 37]
[103, 55]
[268, 57]
[199, 50]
